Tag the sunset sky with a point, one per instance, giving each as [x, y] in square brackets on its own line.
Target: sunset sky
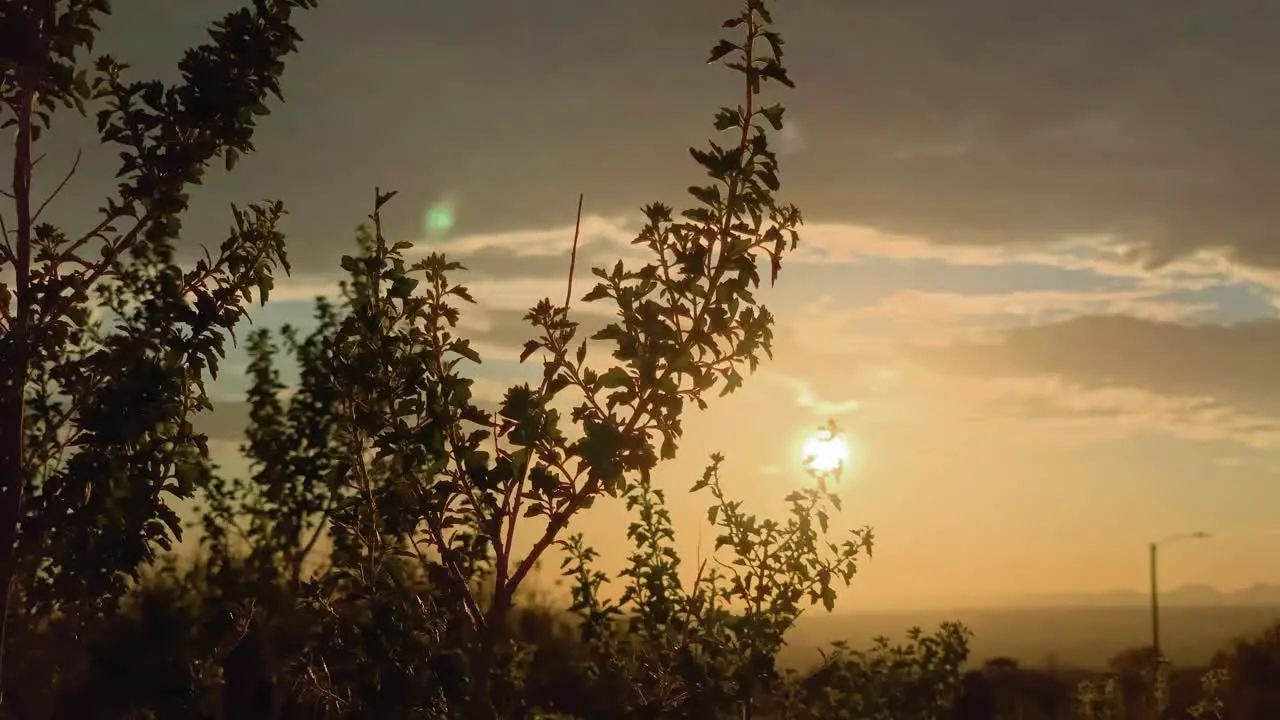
[1038, 280]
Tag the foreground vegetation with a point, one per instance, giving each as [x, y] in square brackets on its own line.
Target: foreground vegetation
[372, 563]
[150, 657]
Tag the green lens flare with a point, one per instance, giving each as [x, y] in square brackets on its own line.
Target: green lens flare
[439, 219]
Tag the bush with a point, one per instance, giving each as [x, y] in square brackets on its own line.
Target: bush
[366, 565]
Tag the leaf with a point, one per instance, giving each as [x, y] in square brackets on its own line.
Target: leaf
[402, 287]
[265, 283]
[542, 479]
[616, 377]
[774, 114]
[381, 198]
[188, 475]
[707, 195]
[772, 70]
[727, 118]
[463, 348]
[530, 348]
[722, 48]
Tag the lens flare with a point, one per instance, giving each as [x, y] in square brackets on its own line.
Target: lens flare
[439, 219]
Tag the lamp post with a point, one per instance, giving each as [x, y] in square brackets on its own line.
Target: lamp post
[1154, 547]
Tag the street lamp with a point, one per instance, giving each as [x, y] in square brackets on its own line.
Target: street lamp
[1155, 601]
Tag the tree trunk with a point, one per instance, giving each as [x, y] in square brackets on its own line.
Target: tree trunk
[13, 470]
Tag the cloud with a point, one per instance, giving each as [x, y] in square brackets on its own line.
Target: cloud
[502, 333]
[806, 397]
[791, 140]
[225, 422]
[1097, 413]
[299, 288]
[1072, 383]
[1106, 258]
[937, 318]
[1029, 305]
[1229, 364]
[502, 262]
[511, 269]
[596, 232]
[991, 133]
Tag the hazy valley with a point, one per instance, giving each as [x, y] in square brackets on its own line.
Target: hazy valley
[1077, 630]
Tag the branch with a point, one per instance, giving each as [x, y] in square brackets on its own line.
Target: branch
[95, 232]
[58, 190]
[468, 599]
[315, 537]
[573, 256]
[97, 270]
[514, 515]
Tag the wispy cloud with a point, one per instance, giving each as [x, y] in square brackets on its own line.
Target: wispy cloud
[805, 397]
[1229, 363]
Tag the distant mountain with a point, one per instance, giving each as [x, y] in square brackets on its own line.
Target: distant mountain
[1195, 623]
[1195, 595]
[1080, 630]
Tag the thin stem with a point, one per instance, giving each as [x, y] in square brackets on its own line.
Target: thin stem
[573, 255]
[58, 190]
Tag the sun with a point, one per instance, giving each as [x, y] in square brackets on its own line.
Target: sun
[826, 452]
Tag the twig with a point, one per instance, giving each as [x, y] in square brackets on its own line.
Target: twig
[315, 537]
[58, 190]
[573, 255]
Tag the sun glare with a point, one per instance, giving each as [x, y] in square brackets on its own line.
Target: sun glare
[826, 452]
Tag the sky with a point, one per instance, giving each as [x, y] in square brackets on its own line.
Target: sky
[1038, 280]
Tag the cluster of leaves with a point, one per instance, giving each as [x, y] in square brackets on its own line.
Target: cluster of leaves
[1139, 684]
[916, 680]
[278, 514]
[106, 338]
[710, 651]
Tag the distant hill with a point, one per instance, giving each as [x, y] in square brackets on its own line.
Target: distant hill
[1084, 631]
[1196, 595]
